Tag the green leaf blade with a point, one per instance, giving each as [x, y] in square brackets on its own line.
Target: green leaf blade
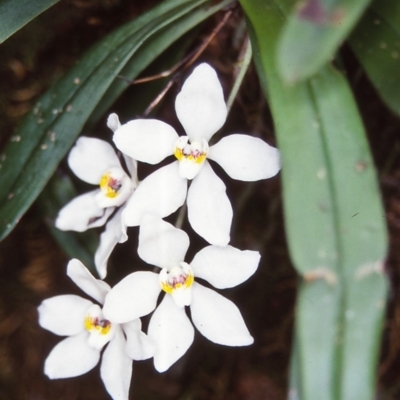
[325, 157]
[14, 14]
[376, 44]
[313, 33]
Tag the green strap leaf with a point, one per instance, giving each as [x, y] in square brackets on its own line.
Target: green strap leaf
[361, 233]
[312, 34]
[336, 236]
[14, 14]
[376, 44]
[46, 134]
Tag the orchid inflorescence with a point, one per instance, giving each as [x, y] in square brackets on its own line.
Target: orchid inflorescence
[113, 321]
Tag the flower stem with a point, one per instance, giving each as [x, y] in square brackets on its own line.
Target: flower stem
[244, 63]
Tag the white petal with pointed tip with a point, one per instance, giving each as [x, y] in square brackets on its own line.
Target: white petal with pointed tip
[246, 158]
[71, 357]
[114, 233]
[113, 122]
[90, 158]
[82, 213]
[160, 243]
[81, 276]
[200, 106]
[209, 209]
[225, 267]
[217, 318]
[172, 333]
[116, 368]
[146, 140]
[161, 193]
[64, 315]
[136, 295]
[138, 345]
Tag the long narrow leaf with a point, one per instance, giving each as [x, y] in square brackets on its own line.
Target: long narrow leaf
[14, 14]
[361, 233]
[337, 240]
[376, 43]
[308, 207]
[313, 33]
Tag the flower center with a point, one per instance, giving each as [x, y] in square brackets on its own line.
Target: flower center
[94, 324]
[110, 185]
[101, 330]
[177, 282]
[191, 156]
[115, 188]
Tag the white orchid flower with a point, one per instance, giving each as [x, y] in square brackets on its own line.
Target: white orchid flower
[95, 162]
[216, 317]
[88, 332]
[201, 109]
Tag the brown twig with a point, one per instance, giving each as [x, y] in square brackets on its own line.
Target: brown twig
[188, 60]
[185, 63]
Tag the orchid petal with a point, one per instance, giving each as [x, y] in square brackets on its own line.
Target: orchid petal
[138, 345]
[189, 169]
[116, 368]
[63, 315]
[246, 158]
[90, 158]
[200, 105]
[131, 165]
[146, 140]
[81, 276]
[136, 295]
[161, 193]
[182, 297]
[113, 122]
[225, 267]
[209, 209]
[71, 357]
[82, 213]
[172, 333]
[114, 233]
[217, 318]
[160, 243]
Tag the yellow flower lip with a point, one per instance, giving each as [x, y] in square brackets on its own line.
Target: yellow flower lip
[195, 152]
[110, 185]
[101, 330]
[194, 156]
[179, 278]
[191, 156]
[95, 324]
